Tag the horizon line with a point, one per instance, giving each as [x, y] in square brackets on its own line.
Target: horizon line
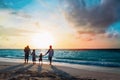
[66, 48]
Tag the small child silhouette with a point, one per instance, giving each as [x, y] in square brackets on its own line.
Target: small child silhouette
[40, 58]
[33, 56]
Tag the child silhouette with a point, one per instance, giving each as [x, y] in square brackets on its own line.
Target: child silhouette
[40, 58]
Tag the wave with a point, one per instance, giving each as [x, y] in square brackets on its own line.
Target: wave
[81, 62]
[10, 56]
[95, 63]
[109, 58]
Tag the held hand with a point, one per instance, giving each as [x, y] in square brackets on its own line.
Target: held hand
[43, 55]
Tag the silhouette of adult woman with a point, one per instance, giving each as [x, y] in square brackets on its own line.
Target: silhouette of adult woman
[27, 51]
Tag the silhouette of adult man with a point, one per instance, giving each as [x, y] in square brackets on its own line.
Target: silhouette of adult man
[50, 53]
[27, 51]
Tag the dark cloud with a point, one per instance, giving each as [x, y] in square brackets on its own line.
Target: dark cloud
[113, 35]
[94, 20]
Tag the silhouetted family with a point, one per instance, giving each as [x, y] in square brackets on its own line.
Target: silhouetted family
[27, 52]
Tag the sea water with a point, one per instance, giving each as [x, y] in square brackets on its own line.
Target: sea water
[100, 57]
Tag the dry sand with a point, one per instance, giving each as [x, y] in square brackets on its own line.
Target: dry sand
[19, 71]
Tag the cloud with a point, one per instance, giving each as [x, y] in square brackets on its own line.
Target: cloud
[21, 14]
[9, 31]
[93, 20]
[113, 35]
[85, 37]
[17, 19]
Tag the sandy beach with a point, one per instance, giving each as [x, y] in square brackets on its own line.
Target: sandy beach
[20, 71]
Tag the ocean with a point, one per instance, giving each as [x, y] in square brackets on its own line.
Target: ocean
[94, 57]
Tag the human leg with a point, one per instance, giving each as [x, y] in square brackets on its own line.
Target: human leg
[27, 58]
[50, 60]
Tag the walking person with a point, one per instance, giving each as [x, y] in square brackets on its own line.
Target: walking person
[33, 56]
[27, 51]
[50, 53]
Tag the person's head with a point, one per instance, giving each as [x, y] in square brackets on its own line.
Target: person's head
[27, 46]
[50, 46]
[33, 50]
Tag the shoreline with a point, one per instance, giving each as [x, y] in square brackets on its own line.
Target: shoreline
[76, 66]
[77, 72]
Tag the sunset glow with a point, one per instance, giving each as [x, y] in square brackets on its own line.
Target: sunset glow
[42, 40]
[75, 24]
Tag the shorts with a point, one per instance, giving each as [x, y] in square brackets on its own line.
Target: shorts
[26, 56]
[50, 58]
[40, 59]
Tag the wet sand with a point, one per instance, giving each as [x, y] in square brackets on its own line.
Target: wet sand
[21, 71]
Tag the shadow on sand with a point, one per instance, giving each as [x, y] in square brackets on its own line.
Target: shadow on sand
[39, 68]
[29, 72]
[63, 75]
[13, 71]
[66, 76]
[11, 68]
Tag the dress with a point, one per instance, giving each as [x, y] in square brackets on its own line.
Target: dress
[33, 56]
[40, 58]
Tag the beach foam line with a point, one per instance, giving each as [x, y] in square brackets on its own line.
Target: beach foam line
[77, 66]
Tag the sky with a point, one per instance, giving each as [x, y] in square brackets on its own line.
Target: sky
[65, 24]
